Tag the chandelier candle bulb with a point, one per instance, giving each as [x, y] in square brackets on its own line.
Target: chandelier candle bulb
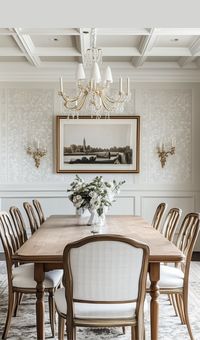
[61, 85]
[80, 74]
[108, 75]
[96, 75]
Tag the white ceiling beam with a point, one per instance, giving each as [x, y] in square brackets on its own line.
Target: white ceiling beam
[50, 31]
[123, 31]
[146, 44]
[26, 45]
[57, 52]
[169, 52]
[178, 31]
[83, 42]
[120, 51]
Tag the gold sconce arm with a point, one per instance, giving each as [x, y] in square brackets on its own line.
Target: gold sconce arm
[163, 154]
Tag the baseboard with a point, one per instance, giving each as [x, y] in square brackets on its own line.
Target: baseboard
[195, 256]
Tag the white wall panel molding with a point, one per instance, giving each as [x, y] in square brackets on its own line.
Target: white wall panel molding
[127, 190]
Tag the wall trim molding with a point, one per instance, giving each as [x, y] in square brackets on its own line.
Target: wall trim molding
[150, 74]
[62, 187]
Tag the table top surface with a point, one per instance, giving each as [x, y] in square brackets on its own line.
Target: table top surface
[46, 245]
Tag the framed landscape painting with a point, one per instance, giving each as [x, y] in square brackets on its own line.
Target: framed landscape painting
[98, 145]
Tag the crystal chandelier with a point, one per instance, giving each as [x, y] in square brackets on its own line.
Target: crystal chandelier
[93, 95]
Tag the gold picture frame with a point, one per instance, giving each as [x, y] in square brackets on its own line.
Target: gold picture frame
[87, 145]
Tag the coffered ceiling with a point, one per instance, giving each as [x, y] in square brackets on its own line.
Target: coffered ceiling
[36, 50]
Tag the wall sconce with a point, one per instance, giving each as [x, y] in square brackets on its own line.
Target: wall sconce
[164, 152]
[37, 153]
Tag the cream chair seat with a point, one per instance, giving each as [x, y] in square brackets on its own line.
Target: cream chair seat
[90, 310]
[23, 277]
[170, 277]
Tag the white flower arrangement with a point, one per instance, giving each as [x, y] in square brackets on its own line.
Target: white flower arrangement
[96, 195]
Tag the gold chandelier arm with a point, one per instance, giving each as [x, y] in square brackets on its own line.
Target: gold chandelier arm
[68, 99]
[121, 98]
[76, 105]
[108, 105]
[81, 102]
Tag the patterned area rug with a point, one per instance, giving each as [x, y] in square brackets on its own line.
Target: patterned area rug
[170, 328]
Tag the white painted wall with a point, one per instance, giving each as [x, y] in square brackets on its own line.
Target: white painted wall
[28, 110]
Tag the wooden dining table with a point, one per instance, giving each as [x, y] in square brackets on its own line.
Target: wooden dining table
[45, 249]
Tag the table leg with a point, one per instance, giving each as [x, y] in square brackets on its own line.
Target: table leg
[154, 273]
[39, 278]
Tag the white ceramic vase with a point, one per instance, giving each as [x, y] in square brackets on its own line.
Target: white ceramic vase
[96, 221]
[82, 214]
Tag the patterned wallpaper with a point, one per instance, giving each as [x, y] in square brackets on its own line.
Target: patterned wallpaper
[28, 114]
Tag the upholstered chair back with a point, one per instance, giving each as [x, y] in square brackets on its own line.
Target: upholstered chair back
[105, 268]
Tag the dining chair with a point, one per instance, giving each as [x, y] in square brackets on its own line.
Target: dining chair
[33, 222]
[21, 277]
[19, 224]
[174, 280]
[171, 222]
[39, 211]
[158, 215]
[104, 280]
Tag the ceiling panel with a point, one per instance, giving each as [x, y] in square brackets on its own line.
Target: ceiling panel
[118, 41]
[174, 41]
[59, 59]
[117, 59]
[53, 40]
[163, 59]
